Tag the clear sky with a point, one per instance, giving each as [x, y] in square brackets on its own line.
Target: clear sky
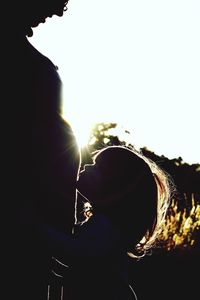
[133, 62]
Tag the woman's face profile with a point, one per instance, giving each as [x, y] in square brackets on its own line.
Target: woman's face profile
[90, 182]
[98, 182]
[114, 171]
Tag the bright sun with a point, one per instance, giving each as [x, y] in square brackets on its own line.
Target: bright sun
[82, 130]
[82, 133]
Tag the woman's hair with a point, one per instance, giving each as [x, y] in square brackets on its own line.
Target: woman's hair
[144, 205]
[165, 188]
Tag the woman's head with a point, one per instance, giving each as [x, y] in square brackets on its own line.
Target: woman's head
[128, 187]
[24, 14]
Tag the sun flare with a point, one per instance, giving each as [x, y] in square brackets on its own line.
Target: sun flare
[82, 134]
[82, 131]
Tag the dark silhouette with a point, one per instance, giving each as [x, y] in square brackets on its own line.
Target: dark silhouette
[40, 157]
[129, 196]
[178, 266]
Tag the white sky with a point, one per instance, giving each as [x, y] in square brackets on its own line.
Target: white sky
[136, 63]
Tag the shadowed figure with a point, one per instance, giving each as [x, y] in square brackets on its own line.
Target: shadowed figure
[129, 196]
[40, 157]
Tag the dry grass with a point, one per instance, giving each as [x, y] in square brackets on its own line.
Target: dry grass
[181, 226]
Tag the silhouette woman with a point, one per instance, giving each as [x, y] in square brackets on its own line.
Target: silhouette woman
[39, 149]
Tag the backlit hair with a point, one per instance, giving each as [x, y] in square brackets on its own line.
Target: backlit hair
[165, 188]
